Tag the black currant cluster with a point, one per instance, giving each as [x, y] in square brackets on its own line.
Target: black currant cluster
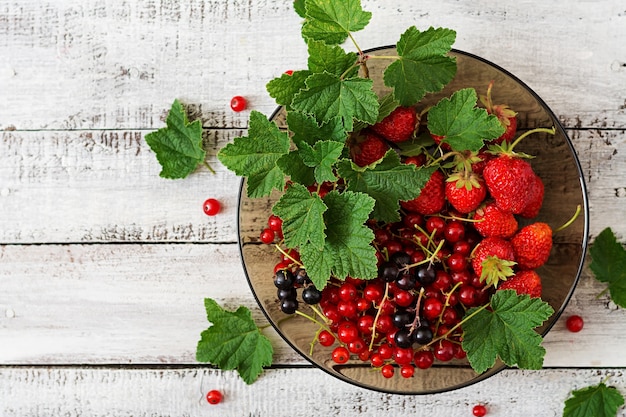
[287, 284]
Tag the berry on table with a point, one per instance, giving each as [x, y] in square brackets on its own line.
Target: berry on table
[238, 103]
[574, 323]
[479, 410]
[211, 207]
[214, 397]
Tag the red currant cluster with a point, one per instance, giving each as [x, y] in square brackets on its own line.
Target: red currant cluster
[407, 317]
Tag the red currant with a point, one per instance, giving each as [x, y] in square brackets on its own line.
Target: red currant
[377, 360]
[444, 350]
[357, 346]
[289, 72]
[347, 332]
[479, 410]
[347, 291]
[326, 338]
[214, 397]
[574, 323]
[387, 370]
[407, 371]
[275, 223]
[423, 359]
[211, 207]
[238, 103]
[432, 308]
[267, 236]
[340, 355]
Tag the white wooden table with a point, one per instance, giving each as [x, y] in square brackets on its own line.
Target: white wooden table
[104, 266]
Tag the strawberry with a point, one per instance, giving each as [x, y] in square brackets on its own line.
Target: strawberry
[494, 222]
[432, 198]
[493, 259]
[399, 126]
[509, 179]
[532, 245]
[465, 191]
[523, 282]
[368, 148]
[535, 199]
[478, 166]
[506, 116]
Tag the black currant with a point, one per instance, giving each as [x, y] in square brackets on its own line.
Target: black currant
[406, 281]
[426, 275]
[402, 317]
[311, 295]
[284, 293]
[289, 306]
[301, 277]
[284, 279]
[403, 338]
[388, 271]
[401, 259]
[422, 335]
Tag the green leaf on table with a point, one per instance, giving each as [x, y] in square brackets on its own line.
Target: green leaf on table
[322, 157]
[347, 248]
[594, 401]
[300, 7]
[423, 65]
[233, 341]
[306, 129]
[284, 88]
[332, 59]
[608, 264]
[327, 96]
[463, 125]
[388, 182]
[178, 146]
[303, 217]
[506, 331]
[254, 156]
[332, 21]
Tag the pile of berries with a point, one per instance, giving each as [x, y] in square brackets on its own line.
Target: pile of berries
[456, 243]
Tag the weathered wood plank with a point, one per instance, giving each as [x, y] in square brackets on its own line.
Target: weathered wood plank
[279, 392]
[143, 304]
[110, 64]
[103, 186]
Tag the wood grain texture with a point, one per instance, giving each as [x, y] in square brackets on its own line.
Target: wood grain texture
[279, 392]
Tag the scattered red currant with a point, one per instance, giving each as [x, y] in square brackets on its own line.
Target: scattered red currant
[574, 323]
[479, 410]
[238, 103]
[214, 397]
[289, 72]
[211, 207]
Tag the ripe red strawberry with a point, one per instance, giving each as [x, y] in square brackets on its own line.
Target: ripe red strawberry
[509, 179]
[368, 148]
[495, 222]
[532, 245]
[535, 199]
[465, 191]
[523, 282]
[506, 116]
[493, 259]
[432, 198]
[399, 126]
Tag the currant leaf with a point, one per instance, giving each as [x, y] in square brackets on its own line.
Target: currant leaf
[285, 87]
[303, 217]
[332, 59]
[463, 125]
[233, 341]
[305, 129]
[322, 156]
[294, 167]
[608, 264]
[347, 248]
[327, 96]
[255, 156]
[423, 66]
[594, 401]
[178, 146]
[387, 182]
[506, 331]
[332, 21]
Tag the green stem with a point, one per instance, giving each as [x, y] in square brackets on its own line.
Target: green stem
[551, 131]
[206, 164]
[459, 324]
[570, 221]
[378, 312]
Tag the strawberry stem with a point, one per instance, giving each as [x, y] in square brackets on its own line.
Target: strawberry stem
[551, 131]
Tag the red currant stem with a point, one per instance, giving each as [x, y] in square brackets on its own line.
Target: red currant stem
[416, 321]
[320, 314]
[445, 156]
[570, 221]
[459, 324]
[461, 219]
[314, 320]
[446, 304]
[551, 131]
[286, 255]
[378, 312]
[604, 291]
[429, 259]
[206, 164]
[393, 57]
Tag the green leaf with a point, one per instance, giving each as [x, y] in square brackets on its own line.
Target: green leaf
[285, 87]
[306, 129]
[423, 65]
[303, 217]
[332, 21]
[461, 123]
[292, 166]
[255, 156]
[331, 59]
[594, 401]
[178, 146]
[233, 341]
[506, 331]
[347, 249]
[328, 96]
[300, 8]
[608, 264]
[387, 182]
[322, 157]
